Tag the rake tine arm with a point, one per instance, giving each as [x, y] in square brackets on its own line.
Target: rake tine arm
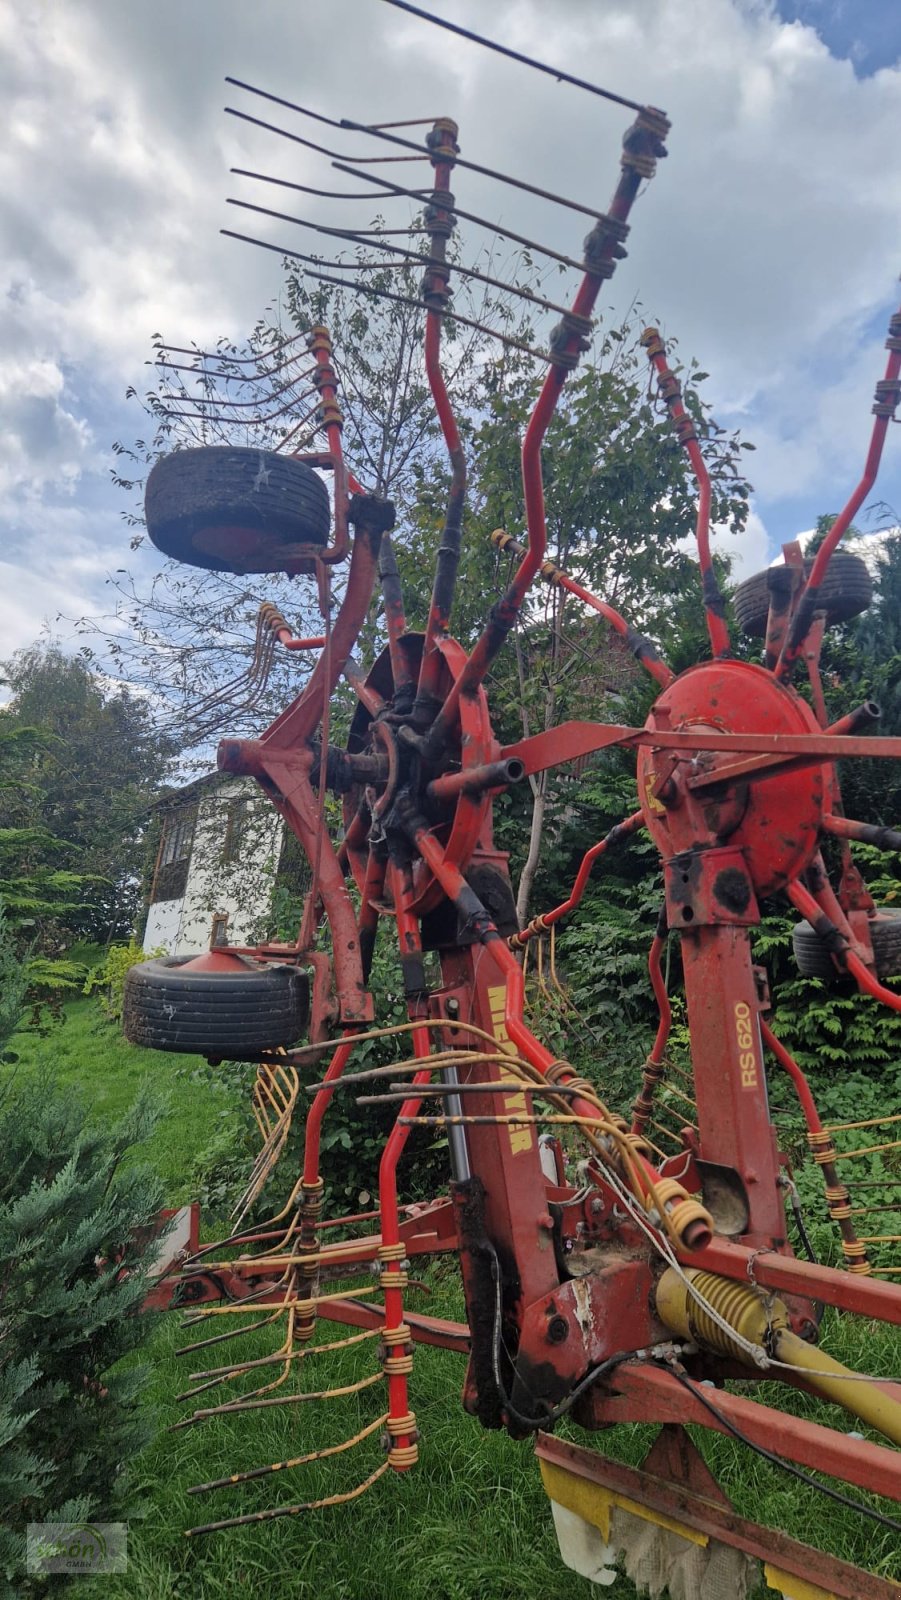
[401, 1422]
[439, 218]
[863, 832]
[539, 924]
[644, 651]
[671, 392]
[888, 393]
[836, 942]
[654, 1069]
[642, 146]
[396, 623]
[822, 1149]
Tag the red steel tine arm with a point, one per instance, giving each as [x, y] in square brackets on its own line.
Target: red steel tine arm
[823, 1152]
[439, 220]
[401, 1421]
[671, 392]
[396, 623]
[642, 649]
[330, 415]
[275, 622]
[863, 832]
[298, 723]
[888, 393]
[654, 1068]
[642, 147]
[541, 923]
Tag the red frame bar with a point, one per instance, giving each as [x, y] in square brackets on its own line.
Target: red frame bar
[674, 1480]
[648, 1394]
[769, 1269]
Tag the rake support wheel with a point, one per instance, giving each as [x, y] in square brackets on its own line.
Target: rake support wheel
[235, 510]
[814, 961]
[845, 592]
[224, 1006]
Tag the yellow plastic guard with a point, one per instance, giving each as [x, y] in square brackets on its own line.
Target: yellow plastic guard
[594, 1504]
[801, 1588]
[795, 1588]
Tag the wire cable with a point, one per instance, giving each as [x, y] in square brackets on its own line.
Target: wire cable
[777, 1461]
[551, 1414]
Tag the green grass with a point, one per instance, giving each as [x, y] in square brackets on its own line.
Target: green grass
[471, 1520]
[89, 1053]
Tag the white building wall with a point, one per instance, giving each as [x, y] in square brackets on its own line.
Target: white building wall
[240, 889]
[163, 919]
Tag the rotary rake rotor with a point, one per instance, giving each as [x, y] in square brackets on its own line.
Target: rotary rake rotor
[634, 1287]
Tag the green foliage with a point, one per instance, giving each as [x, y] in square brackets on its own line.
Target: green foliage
[92, 761]
[89, 1050]
[73, 1267]
[109, 976]
[862, 661]
[13, 985]
[37, 895]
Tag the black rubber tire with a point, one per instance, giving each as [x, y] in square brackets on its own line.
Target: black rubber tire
[814, 960]
[845, 592]
[230, 1016]
[201, 505]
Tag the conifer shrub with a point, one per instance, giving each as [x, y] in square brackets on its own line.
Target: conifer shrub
[76, 1218]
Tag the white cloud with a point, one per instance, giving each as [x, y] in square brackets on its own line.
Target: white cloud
[747, 550]
[766, 244]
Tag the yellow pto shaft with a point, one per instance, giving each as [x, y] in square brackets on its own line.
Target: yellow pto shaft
[765, 1322]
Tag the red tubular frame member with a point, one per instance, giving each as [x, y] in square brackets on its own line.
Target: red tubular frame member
[696, 1234]
[396, 1335]
[888, 393]
[541, 923]
[642, 146]
[671, 392]
[809, 907]
[439, 220]
[641, 647]
[653, 1067]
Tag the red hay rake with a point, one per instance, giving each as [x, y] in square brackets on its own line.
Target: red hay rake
[634, 1291]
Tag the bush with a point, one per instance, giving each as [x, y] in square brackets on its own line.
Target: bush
[13, 985]
[109, 976]
[73, 1263]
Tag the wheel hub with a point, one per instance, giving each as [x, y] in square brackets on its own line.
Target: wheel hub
[774, 816]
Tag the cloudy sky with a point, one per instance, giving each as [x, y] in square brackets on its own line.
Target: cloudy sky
[768, 243]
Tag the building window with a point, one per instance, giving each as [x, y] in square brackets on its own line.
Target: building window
[236, 821]
[219, 932]
[171, 874]
[178, 836]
